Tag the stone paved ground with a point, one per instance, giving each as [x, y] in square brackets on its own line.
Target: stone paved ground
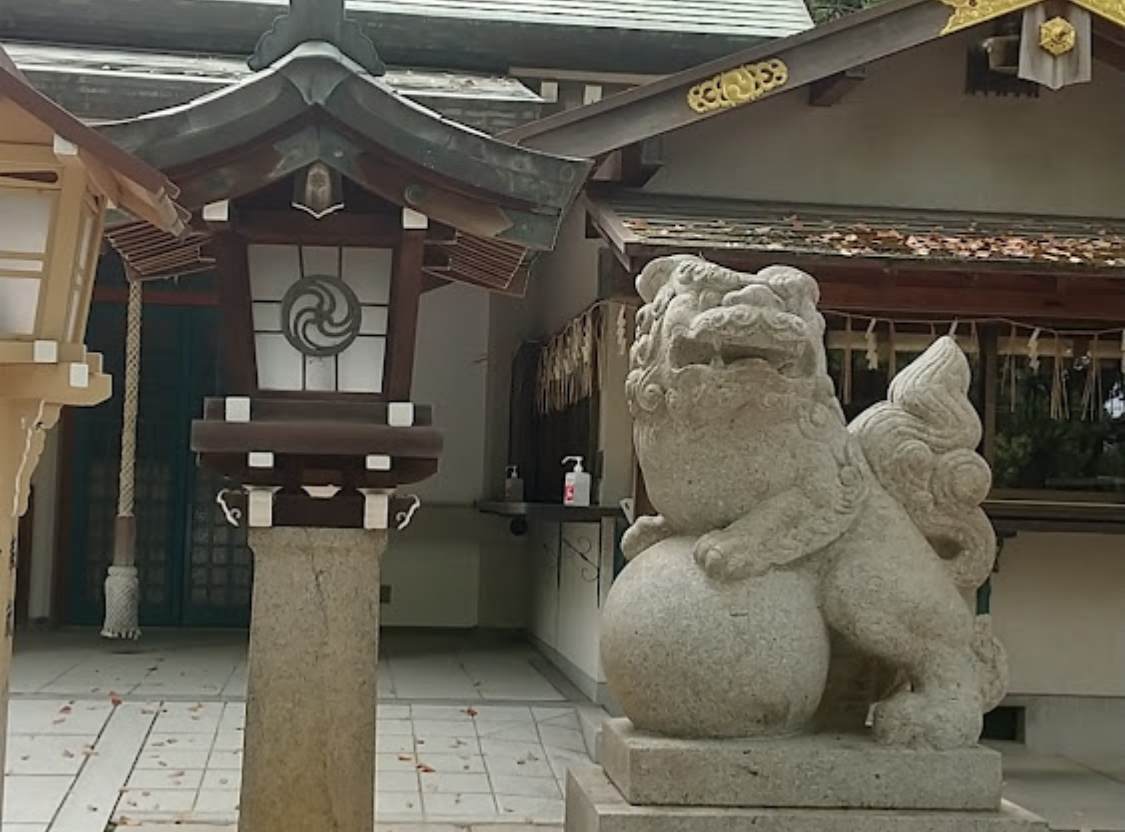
[471, 736]
[104, 734]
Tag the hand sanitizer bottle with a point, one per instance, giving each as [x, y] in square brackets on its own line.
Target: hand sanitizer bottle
[576, 486]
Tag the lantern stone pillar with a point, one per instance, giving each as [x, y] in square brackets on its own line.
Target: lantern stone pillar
[309, 759]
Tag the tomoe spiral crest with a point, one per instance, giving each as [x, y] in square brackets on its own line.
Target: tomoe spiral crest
[320, 316]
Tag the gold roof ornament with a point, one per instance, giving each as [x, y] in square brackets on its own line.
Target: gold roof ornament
[738, 86]
[968, 13]
[1057, 36]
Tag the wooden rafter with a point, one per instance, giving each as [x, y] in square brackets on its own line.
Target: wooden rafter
[653, 109]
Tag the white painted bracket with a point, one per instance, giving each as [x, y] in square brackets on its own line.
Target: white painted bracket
[376, 508]
[237, 409]
[64, 148]
[378, 462]
[232, 515]
[79, 376]
[403, 518]
[414, 220]
[400, 414]
[46, 352]
[260, 505]
[217, 211]
[260, 459]
[321, 492]
[549, 91]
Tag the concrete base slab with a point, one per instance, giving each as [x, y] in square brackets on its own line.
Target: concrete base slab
[812, 772]
[593, 804]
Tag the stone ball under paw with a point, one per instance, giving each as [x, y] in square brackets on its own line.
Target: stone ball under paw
[688, 656]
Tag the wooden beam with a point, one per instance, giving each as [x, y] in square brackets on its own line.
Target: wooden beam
[657, 108]
[829, 91]
[990, 359]
[405, 290]
[1110, 52]
[981, 301]
[286, 226]
[635, 171]
[233, 272]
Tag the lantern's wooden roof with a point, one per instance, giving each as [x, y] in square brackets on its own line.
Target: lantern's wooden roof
[134, 185]
[317, 105]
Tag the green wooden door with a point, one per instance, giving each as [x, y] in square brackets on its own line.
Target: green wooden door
[194, 569]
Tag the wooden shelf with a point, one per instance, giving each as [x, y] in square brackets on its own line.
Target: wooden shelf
[550, 511]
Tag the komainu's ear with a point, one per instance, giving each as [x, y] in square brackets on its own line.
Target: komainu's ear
[656, 274]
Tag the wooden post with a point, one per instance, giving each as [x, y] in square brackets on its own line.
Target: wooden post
[990, 366]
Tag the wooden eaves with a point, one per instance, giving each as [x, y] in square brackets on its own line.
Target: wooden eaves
[813, 56]
[129, 182]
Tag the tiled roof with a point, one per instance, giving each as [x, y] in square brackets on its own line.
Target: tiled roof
[636, 221]
[758, 18]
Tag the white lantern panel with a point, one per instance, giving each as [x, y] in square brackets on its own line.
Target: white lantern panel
[25, 221]
[321, 260]
[267, 317]
[19, 305]
[320, 374]
[374, 321]
[361, 367]
[280, 367]
[273, 269]
[368, 271]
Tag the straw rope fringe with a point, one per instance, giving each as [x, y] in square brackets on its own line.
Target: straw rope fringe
[1091, 360]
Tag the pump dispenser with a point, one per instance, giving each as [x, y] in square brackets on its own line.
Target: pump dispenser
[576, 486]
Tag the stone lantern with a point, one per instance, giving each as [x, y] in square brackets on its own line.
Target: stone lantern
[58, 178]
[320, 333]
[330, 204]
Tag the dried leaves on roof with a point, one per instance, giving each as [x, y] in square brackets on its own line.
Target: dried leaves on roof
[869, 233]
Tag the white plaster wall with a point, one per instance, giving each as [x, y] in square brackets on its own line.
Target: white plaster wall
[450, 373]
[455, 567]
[909, 136]
[1058, 604]
[433, 568]
[566, 279]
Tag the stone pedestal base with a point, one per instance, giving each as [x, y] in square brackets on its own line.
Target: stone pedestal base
[807, 772]
[593, 804]
[309, 759]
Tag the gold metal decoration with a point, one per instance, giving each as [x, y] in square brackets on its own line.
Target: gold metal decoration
[738, 86]
[1112, 10]
[1057, 36]
[968, 13]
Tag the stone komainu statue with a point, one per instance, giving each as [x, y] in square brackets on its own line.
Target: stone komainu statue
[796, 561]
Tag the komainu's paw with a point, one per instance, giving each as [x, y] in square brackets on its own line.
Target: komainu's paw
[646, 532]
[727, 556]
[914, 720]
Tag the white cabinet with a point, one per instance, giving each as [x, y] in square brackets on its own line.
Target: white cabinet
[543, 546]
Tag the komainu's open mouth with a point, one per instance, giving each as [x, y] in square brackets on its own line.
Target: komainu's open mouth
[690, 350]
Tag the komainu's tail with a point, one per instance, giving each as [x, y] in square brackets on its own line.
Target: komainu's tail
[921, 445]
